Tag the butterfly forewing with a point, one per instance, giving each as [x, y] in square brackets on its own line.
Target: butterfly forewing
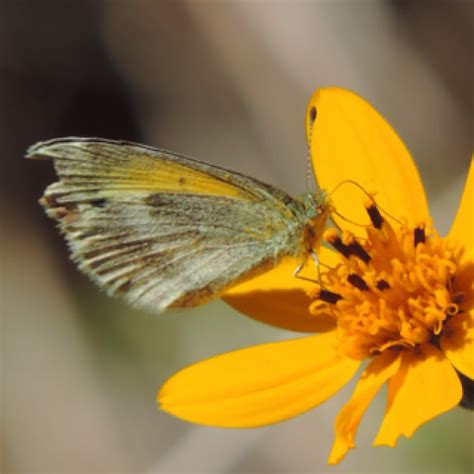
[162, 229]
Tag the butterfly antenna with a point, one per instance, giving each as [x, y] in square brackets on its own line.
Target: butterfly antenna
[310, 174]
[358, 224]
[361, 188]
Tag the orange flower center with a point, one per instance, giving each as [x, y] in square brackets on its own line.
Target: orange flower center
[394, 289]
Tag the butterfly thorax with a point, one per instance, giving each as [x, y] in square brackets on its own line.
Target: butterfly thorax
[315, 210]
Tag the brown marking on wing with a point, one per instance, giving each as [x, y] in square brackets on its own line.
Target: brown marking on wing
[66, 213]
[195, 298]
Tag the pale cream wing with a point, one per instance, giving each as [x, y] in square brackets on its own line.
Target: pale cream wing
[161, 229]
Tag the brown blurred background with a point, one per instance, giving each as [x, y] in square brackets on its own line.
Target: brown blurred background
[226, 82]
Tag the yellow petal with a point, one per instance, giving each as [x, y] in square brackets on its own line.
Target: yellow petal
[349, 140]
[259, 385]
[381, 369]
[425, 386]
[462, 229]
[457, 342]
[280, 299]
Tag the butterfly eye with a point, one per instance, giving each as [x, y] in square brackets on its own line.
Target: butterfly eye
[312, 114]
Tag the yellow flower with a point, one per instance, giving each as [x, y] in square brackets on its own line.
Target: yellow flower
[393, 293]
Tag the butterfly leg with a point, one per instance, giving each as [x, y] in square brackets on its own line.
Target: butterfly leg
[298, 270]
[317, 262]
[300, 267]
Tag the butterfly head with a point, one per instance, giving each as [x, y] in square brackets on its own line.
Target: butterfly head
[317, 208]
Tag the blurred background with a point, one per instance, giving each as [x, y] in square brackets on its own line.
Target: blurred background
[226, 82]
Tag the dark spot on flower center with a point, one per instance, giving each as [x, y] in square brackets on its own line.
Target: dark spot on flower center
[358, 282]
[329, 296]
[419, 237]
[375, 216]
[382, 285]
[354, 248]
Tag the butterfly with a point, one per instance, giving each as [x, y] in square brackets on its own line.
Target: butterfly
[167, 231]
